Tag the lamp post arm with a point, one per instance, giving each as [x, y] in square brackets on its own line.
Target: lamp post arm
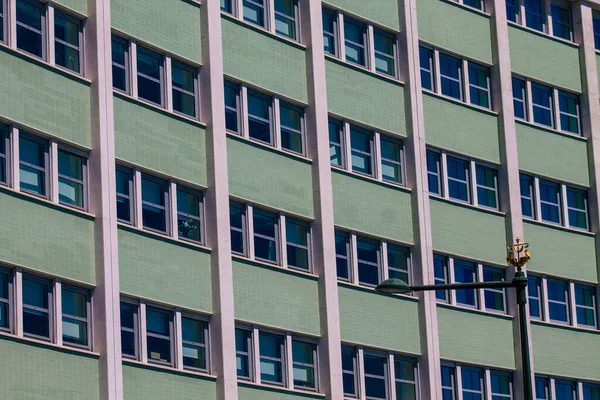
[457, 286]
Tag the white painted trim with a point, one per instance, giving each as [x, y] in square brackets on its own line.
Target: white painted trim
[548, 17]
[473, 183]
[172, 210]
[137, 198]
[18, 302]
[579, 390]
[572, 304]
[353, 258]
[436, 72]
[288, 363]
[342, 37]
[276, 115]
[480, 293]
[282, 241]
[250, 225]
[133, 69]
[384, 274]
[12, 23]
[444, 175]
[362, 393]
[50, 34]
[244, 111]
[552, 388]
[529, 102]
[178, 332]
[143, 339]
[377, 167]
[58, 328]
[270, 15]
[53, 170]
[458, 378]
[538, 204]
[256, 354]
[238, 7]
[347, 148]
[465, 77]
[451, 293]
[556, 110]
[544, 300]
[392, 376]
[487, 384]
[169, 83]
[370, 47]
[15, 169]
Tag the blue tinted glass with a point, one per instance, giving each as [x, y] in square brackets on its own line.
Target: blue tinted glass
[464, 272]
[519, 98]
[565, 390]
[439, 267]
[433, 164]
[254, 12]
[541, 389]
[512, 10]
[597, 34]
[471, 379]
[534, 14]
[457, 179]
[526, 185]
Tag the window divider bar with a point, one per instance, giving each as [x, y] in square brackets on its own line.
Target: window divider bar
[451, 293]
[480, 292]
[392, 376]
[528, 99]
[444, 173]
[256, 355]
[270, 17]
[53, 170]
[137, 198]
[458, 377]
[18, 309]
[370, 47]
[169, 83]
[536, 193]
[283, 241]
[178, 341]
[354, 258]
[58, 328]
[465, 76]
[572, 304]
[289, 363]
[143, 345]
[377, 155]
[173, 209]
[556, 111]
[14, 159]
[473, 177]
[250, 225]
[276, 115]
[580, 390]
[564, 205]
[244, 111]
[342, 36]
[487, 383]
[12, 23]
[436, 73]
[521, 17]
[552, 388]
[362, 393]
[384, 263]
[50, 34]
[238, 7]
[548, 15]
[133, 70]
[347, 147]
[544, 287]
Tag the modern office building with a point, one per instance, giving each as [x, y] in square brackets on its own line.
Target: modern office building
[198, 199]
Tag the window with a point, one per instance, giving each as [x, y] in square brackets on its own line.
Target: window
[568, 112]
[458, 179]
[31, 23]
[426, 61]
[226, 6]
[71, 179]
[342, 258]
[243, 345]
[33, 160]
[285, 18]
[37, 298]
[361, 143]
[465, 272]
[2, 24]
[129, 330]
[259, 117]
[450, 75]
[391, 159]
[440, 269]
[541, 97]
[4, 150]
[184, 89]
[304, 361]
[355, 37]
[254, 12]
[232, 106]
[526, 183]
[330, 32]
[433, 172]
[448, 383]
[565, 390]
[397, 262]
[512, 10]
[494, 298]
[561, 22]
[534, 293]
[368, 261]
[237, 219]
[519, 98]
[541, 389]
[297, 238]
[479, 85]
[159, 333]
[291, 121]
[376, 378]
[558, 303]
[585, 305]
[385, 50]
[120, 64]
[349, 370]
[478, 4]
[154, 204]
[406, 378]
[472, 383]
[596, 33]
[591, 392]
[150, 76]
[487, 187]
[577, 208]
[193, 334]
[501, 385]
[534, 14]
[189, 223]
[265, 236]
[5, 300]
[271, 358]
[75, 320]
[67, 42]
[336, 134]
[550, 201]
[124, 181]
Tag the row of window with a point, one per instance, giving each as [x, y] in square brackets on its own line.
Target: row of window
[454, 77]
[278, 16]
[154, 77]
[366, 152]
[549, 388]
[264, 118]
[359, 42]
[461, 179]
[553, 18]
[561, 301]
[556, 203]
[368, 262]
[546, 106]
[43, 167]
[50, 310]
[270, 237]
[475, 383]
[158, 205]
[46, 32]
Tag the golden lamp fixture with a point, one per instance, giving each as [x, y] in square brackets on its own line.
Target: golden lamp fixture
[518, 254]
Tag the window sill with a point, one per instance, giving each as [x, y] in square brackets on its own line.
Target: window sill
[276, 267]
[593, 330]
[279, 389]
[168, 369]
[358, 286]
[542, 34]
[370, 179]
[559, 227]
[460, 102]
[163, 237]
[43, 343]
[550, 130]
[474, 310]
[468, 8]
[466, 205]
[237, 136]
[361, 68]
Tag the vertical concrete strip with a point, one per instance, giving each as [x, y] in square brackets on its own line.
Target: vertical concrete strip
[106, 321]
[217, 203]
[323, 226]
[431, 386]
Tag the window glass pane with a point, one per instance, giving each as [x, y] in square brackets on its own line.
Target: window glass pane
[512, 10]
[447, 383]
[194, 355]
[557, 300]
[304, 364]
[74, 303]
[259, 121]
[526, 185]
[561, 22]
[471, 384]
[254, 12]
[32, 156]
[591, 392]
[478, 4]
[397, 258]
[534, 14]
[565, 390]
[541, 389]
[426, 61]
[354, 33]
[66, 33]
[291, 128]
[36, 317]
[494, 298]
[123, 181]
[285, 18]
[433, 172]
[231, 107]
[341, 255]
[519, 104]
[596, 33]
[29, 27]
[349, 370]
[585, 300]
[297, 244]
[486, 186]
[577, 205]
[405, 379]
[265, 246]
[458, 182]
[226, 6]
[375, 377]
[479, 85]
[149, 77]
[242, 339]
[153, 205]
[368, 261]
[329, 32]
[450, 72]
[4, 306]
[184, 90]
[440, 268]
[271, 367]
[128, 339]
[236, 218]
[335, 143]
[188, 227]
[362, 151]
[534, 291]
[69, 191]
[158, 327]
[119, 48]
[541, 98]
[390, 160]
[384, 53]
[550, 203]
[464, 272]
[500, 385]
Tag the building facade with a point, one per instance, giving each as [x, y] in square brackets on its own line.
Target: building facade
[197, 198]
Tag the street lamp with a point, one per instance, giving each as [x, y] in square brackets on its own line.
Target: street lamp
[518, 255]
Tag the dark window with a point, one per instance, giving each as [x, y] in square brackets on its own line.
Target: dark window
[550, 201]
[440, 270]
[448, 383]
[227, 6]
[5, 300]
[585, 305]
[433, 172]
[361, 143]
[124, 194]
[561, 22]
[290, 118]
[465, 272]
[385, 50]
[565, 390]
[541, 389]
[591, 392]
[406, 378]
[265, 236]
[478, 4]
[541, 98]
[259, 117]
[254, 12]
[129, 330]
[558, 300]
[534, 294]
[2, 24]
[75, 304]
[487, 186]
[458, 179]
[154, 203]
[271, 358]
[451, 76]
[243, 340]
[30, 27]
[336, 148]
[330, 32]
[342, 255]
[159, 334]
[120, 64]
[285, 18]
[426, 61]
[534, 14]
[189, 222]
[472, 383]
[150, 76]
[237, 219]
[184, 90]
[71, 179]
[568, 111]
[193, 335]
[304, 364]
[526, 183]
[391, 159]
[355, 36]
[479, 85]
[36, 307]
[512, 10]
[4, 150]
[376, 376]
[349, 370]
[33, 159]
[597, 33]
[494, 298]
[368, 261]
[577, 208]
[67, 45]
[297, 240]
[232, 107]
[397, 259]
[519, 98]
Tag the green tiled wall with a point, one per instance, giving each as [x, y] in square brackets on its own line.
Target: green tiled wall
[537, 56]
[563, 351]
[275, 297]
[162, 270]
[378, 320]
[559, 252]
[159, 141]
[372, 207]
[269, 177]
[172, 25]
[77, 5]
[248, 392]
[459, 128]
[40, 236]
[457, 229]
[41, 97]
[144, 383]
[263, 60]
[476, 338]
[458, 29]
[539, 151]
[381, 12]
[364, 97]
[41, 373]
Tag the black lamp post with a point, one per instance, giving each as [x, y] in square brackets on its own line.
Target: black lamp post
[518, 256]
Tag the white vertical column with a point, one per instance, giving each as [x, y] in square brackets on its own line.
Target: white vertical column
[244, 111]
[465, 77]
[178, 342]
[58, 329]
[572, 304]
[12, 23]
[137, 198]
[143, 338]
[256, 354]
[377, 157]
[392, 369]
[370, 47]
[346, 146]
[544, 299]
[14, 160]
[282, 241]
[53, 168]
[19, 302]
[169, 83]
[473, 183]
[384, 262]
[133, 69]
[480, 292]
[250, 230]
[50, 56]
[341, 35]
[276, 124]
[172, 209]
[289, 364]
[564, 205]
[354, 258]
[451, 293]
